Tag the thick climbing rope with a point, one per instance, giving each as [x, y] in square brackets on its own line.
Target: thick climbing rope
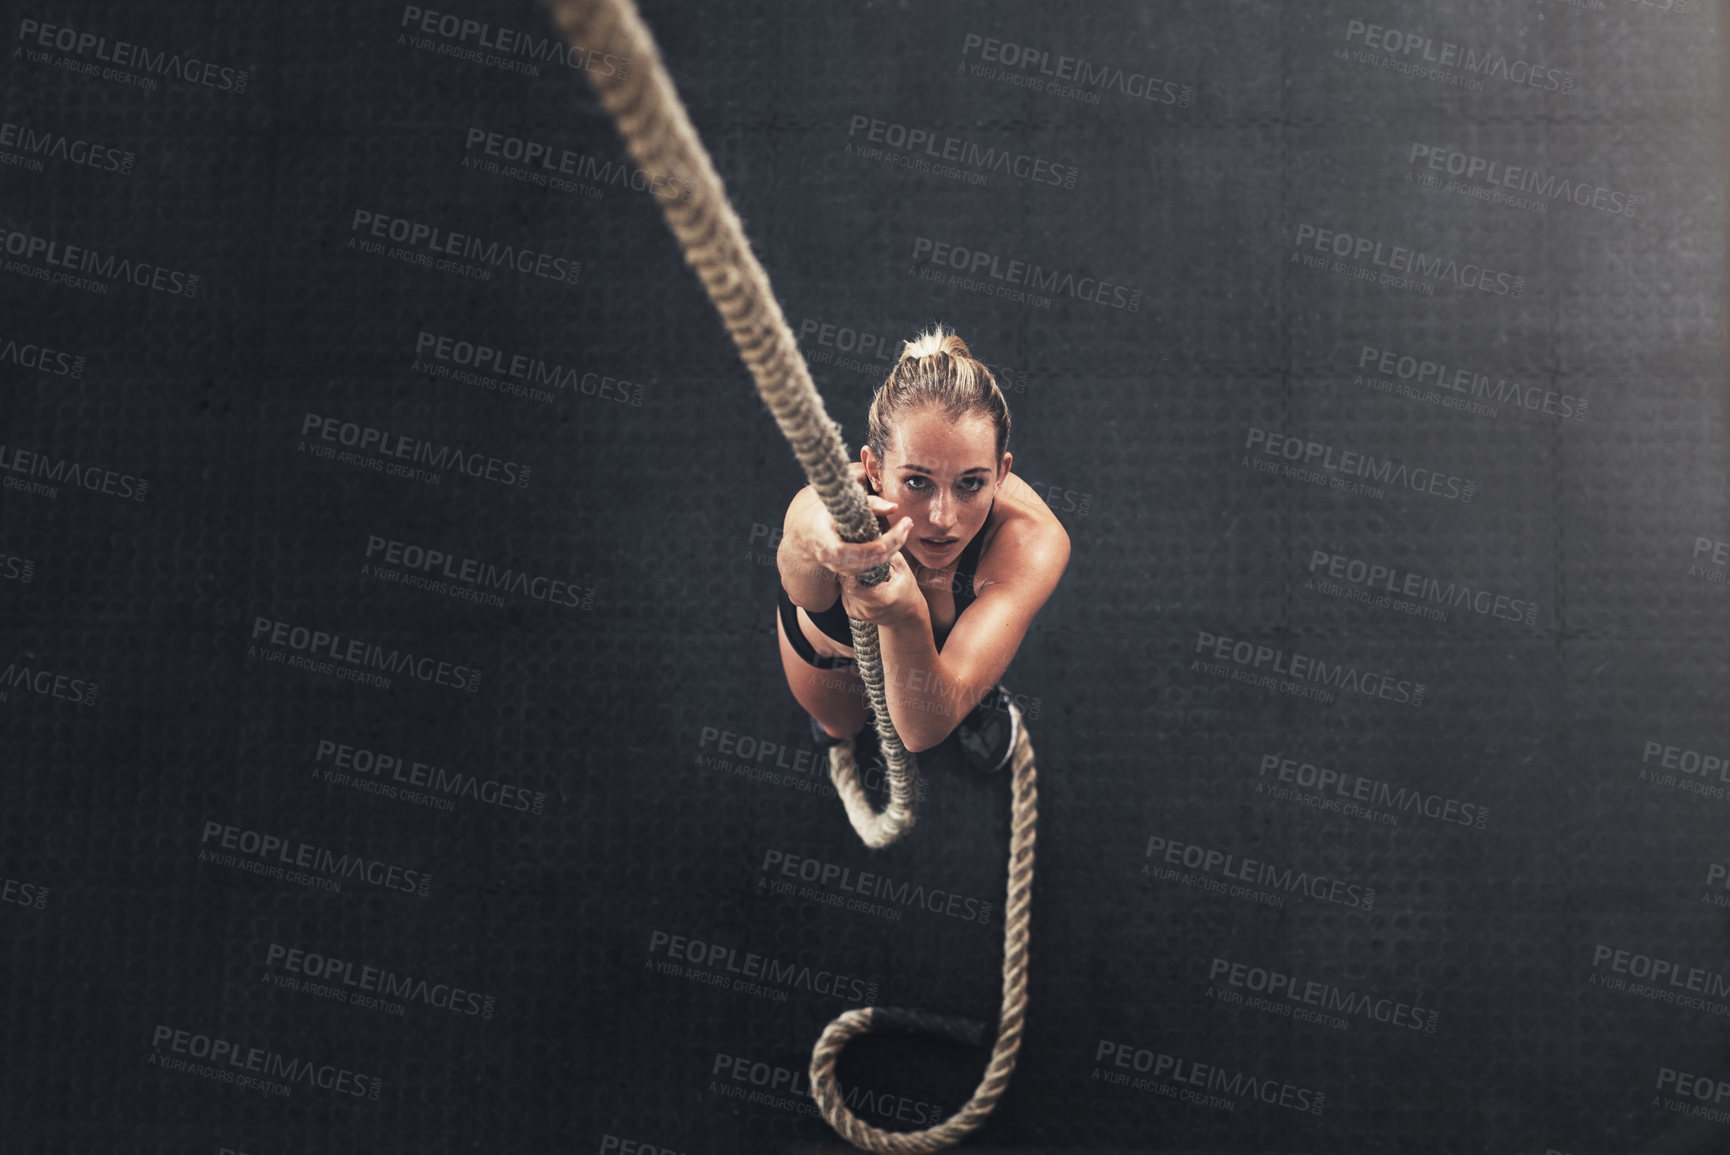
[639, 95]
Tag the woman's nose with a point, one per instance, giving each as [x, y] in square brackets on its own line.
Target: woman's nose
[942, 512]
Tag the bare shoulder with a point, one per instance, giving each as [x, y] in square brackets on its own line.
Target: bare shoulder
[1027, 545]
[802, 499]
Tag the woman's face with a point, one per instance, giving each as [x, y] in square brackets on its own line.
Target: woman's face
[942, 473]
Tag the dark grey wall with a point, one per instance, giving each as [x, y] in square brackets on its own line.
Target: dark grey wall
[1456, 883]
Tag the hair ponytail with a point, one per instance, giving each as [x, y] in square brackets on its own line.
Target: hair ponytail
[936, 368]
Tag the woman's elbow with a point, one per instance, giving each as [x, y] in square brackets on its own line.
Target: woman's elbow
[921, 738]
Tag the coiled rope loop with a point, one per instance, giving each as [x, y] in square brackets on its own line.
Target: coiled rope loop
[639, 95]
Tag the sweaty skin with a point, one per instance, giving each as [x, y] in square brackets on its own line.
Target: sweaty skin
[936, 483]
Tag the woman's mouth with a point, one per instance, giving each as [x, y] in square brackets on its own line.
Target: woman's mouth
[938, 542]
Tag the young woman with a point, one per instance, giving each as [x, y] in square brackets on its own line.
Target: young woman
[973, 554]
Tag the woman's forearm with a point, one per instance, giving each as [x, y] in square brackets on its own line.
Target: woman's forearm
[926, 699]
[807, 583]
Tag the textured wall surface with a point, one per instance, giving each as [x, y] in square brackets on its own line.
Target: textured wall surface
[396, 755]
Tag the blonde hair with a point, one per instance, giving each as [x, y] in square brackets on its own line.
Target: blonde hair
[936, 368]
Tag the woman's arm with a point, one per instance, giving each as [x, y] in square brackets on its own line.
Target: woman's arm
[930, 692]
[809, 585]
[811, 554]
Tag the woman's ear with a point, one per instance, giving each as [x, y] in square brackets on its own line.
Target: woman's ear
[1003, 467]
[873, 467]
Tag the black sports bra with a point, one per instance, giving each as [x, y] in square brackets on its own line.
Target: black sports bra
[833, 621]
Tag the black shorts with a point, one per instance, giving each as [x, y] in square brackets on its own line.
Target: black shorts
[824, 621]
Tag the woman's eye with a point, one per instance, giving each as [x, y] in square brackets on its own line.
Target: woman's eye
[914, 483]
[972, 485]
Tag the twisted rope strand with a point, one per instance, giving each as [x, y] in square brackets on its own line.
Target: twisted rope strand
[661, 139]
[1016, 918]
[639, 95]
